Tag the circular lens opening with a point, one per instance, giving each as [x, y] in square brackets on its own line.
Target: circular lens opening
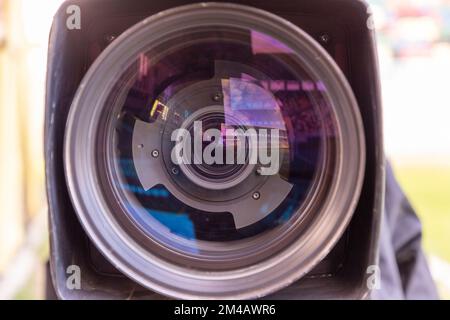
[219, 142]
[256, 139]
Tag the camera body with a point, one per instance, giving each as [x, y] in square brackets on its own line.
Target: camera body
[342, 27]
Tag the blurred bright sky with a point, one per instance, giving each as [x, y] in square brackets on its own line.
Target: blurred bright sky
[415, 86]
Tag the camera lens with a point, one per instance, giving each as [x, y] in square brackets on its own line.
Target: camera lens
[214, 151]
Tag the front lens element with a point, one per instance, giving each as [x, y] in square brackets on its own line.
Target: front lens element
[220, 141]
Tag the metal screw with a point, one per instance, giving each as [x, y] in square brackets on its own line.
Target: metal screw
[217, 97]
[325, 38]
[256, 196]
[175, 171]
[155, 153]
[110, 38]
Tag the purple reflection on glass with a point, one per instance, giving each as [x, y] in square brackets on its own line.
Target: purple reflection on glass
[251, 104]
[262, 43]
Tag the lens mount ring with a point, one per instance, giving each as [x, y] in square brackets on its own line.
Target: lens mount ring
[218, 184]
[151, 270]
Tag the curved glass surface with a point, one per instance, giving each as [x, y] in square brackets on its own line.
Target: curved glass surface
[219, 146]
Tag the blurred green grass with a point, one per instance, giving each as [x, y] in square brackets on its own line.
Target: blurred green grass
[428, 189]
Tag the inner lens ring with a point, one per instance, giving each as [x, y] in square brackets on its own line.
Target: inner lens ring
[205, 175]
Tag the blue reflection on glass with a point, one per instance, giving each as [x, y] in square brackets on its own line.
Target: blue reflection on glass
[178, 223]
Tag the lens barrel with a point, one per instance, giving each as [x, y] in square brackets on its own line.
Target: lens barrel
[214, 151]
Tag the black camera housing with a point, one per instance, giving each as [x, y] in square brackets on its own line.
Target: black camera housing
[342, 27]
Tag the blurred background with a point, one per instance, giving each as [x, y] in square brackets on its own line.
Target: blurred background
[414, 52]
